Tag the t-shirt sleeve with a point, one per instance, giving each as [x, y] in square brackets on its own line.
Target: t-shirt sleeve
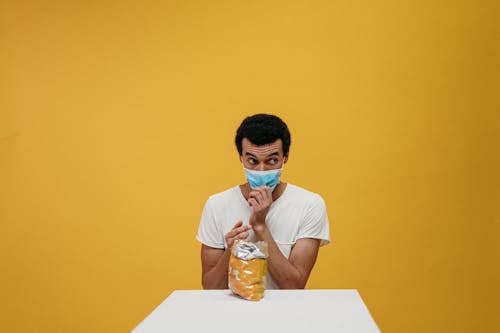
[315, 224]
[208, 231]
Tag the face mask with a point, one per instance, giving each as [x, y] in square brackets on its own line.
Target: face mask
[269, 178]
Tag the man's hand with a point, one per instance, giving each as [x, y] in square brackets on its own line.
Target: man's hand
[214, 262]
[260, 199]
[239, 231]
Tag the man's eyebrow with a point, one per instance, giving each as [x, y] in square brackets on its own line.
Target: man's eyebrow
[275, 153]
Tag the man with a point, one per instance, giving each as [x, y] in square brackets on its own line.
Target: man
[292, 220]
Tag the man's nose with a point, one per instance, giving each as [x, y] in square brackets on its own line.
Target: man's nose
[260, 167]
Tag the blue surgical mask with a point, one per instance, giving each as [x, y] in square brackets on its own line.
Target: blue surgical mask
[269, 178]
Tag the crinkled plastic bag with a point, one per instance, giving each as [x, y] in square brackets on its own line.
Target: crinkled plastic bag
[248, 269]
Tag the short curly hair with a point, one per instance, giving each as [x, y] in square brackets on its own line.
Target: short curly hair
[261, 129]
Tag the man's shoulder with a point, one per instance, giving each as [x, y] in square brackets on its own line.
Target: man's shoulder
[301, 192]
[303, 197]
[230, 193]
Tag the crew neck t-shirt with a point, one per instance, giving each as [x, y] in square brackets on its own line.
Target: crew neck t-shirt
[297, 213]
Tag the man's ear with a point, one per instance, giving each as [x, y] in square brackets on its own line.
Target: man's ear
[285, 159]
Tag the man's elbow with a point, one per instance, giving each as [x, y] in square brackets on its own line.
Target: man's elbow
[297, 283]
[207, 284]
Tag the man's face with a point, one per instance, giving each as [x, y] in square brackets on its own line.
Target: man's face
[265, 157]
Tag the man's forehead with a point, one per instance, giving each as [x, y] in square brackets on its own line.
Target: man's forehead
[248, 146]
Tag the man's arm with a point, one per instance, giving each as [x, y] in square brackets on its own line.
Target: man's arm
[214, 266]
[215, 262]
[291, 273]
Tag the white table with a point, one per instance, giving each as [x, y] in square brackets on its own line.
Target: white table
[304, 311]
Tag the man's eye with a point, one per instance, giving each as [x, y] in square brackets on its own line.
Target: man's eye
[251, 160]
[273, 161]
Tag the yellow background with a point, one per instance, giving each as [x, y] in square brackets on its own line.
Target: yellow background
[117, 121]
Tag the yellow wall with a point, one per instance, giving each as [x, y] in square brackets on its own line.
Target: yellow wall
[117, 121]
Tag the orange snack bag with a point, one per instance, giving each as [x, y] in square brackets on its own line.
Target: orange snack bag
[247, 269]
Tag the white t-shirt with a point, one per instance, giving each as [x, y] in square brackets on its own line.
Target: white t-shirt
[296, 214]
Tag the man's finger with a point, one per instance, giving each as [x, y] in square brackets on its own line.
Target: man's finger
[234, 232]
[242, 229]
[260, 193]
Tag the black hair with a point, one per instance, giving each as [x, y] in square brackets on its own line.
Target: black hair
[261, 129]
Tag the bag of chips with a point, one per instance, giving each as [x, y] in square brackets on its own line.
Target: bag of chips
[248, 269]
